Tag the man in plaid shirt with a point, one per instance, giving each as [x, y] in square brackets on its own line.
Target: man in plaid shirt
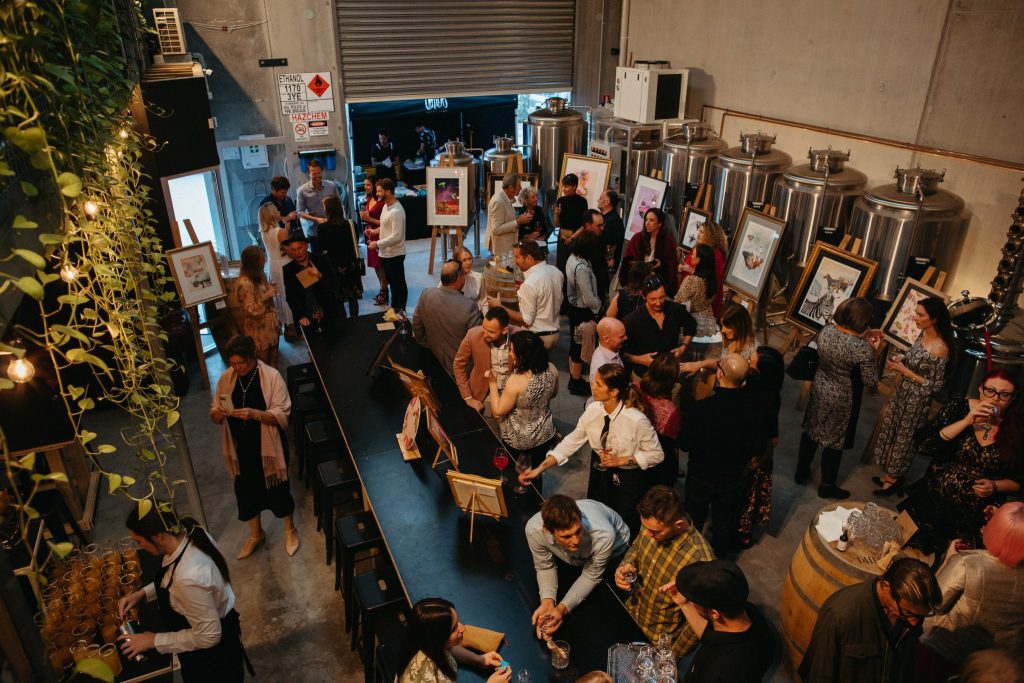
[667, 544]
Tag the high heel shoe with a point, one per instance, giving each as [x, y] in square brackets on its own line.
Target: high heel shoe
[889, 489]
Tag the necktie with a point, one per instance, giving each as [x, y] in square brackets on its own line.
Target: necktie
[604, 432]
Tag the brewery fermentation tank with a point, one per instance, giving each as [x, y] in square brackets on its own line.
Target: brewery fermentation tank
[499, 159]
[815, 200]
[909, 224]
[549, 133]
[454, 153]
[744, 175]
[686, 160]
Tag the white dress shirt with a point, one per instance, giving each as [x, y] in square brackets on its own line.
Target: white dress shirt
[630, 433]
[200, 594]
[391, 241]
[540, 297]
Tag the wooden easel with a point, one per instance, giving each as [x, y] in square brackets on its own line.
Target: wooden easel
[472, 510]
[444, 231]
[193, 311]
[703, 199]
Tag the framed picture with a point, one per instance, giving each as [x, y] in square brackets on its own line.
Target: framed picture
[592, 172]
[448, 195]
[196, 274]
[444, 444]
[410, 427]
[754, 246]
[478, 495]
[899, 326]
[417, 384]
[494, 185]
[692, 220]
[648, 194]
[830, 277]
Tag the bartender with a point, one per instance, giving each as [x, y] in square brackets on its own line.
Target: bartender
[384, 157]
[193, 590]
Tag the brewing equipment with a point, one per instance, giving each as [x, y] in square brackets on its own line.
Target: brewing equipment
[815, 200]
[994, 325]
[499, 158]
[549, 133]
[453, 153]
[686, 159]
[909, 224]
[745, 175]
[633, 149]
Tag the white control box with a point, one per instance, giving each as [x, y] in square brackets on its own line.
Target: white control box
[649, 95]
[600, 149]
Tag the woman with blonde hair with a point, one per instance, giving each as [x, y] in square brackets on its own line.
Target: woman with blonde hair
[256, 299]
[712, 235]
[273, 234]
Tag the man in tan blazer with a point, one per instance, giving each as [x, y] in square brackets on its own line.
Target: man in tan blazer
[502, 223]
[486, 346]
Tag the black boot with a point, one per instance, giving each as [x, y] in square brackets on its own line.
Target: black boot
[804, 459]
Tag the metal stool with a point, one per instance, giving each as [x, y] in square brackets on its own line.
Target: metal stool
[323, 442]
[336, 483]
[306, 407]
[390, 633]
[376, 593]
[300, 377]
[353, 534]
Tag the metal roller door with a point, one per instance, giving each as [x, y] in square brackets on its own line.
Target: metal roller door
[409, 49]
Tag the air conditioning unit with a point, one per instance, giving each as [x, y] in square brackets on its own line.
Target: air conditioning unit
[649, 93]
[168, 31]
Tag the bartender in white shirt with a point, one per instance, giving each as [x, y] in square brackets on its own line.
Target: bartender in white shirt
[196, 602]
[622, 440]
[540, 296]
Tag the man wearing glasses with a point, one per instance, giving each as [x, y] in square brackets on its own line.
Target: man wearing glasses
[868, 631]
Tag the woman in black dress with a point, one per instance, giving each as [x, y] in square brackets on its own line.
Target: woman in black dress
[251, 403]
[336, 235]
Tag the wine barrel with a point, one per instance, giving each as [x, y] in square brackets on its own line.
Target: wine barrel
[816, 571]
[500, 284]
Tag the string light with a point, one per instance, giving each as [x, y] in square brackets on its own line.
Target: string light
[91, 209]
[68, 273]
[123, 133]
[21, 370]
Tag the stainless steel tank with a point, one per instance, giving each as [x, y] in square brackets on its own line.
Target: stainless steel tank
[455, 151]
[686, 160]
[745, 174]
[811, 197]
[911, 219]
[550, 133]
[643, 160]
[499, 158]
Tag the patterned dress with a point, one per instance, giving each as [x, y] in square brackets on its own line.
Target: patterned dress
[907, 409]
[260, 321]
[530, 423]
[832, 396]
[693, 290]
[422, 669]
[942, 502]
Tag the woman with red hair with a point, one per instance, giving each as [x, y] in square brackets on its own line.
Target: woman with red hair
[975, 446]
[982, 593]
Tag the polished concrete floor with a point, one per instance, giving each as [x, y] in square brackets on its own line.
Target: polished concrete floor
[291, 616]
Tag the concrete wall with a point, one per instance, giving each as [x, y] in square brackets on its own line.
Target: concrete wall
[945, 75]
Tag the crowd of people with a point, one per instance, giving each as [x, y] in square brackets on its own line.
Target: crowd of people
[668, 366]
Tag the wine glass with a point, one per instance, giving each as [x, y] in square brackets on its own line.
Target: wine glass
[522, 466]
[523, 677]
[629, 573]
[501, 462]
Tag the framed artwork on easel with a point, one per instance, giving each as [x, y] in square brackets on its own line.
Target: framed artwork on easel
[196, 274]
[899, 326]
[410, 428]
[477, 496]
[445, 446]
[754, 246]
[417, 384]
[448, 196]
[592, 172]
[830, 277]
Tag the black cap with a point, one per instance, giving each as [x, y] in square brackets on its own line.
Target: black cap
[294, 236]
[718, 584]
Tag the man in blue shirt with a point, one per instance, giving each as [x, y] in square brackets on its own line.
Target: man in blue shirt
[285, 205]
[584, 534]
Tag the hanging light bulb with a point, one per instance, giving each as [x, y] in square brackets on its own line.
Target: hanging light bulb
[123, 133]
[21, 370]
[90, 208]
[68, 273]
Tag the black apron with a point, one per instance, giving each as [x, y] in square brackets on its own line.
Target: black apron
[218, 664]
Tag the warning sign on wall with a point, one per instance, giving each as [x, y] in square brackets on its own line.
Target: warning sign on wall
[301, 132]
[306, 92]
[310, 123]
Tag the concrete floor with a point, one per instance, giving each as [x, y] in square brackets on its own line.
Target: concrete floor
[291, 616]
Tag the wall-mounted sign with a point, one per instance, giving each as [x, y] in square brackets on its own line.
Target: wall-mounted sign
[305, 92]
[436, 104]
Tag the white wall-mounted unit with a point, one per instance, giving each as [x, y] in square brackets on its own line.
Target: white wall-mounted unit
[646, 95]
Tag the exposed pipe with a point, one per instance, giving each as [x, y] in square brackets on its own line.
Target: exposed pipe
[988, 161]
[624, 32]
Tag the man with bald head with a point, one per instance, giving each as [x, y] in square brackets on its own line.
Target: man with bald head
[611, 335]
[721, 433]
[443, 315]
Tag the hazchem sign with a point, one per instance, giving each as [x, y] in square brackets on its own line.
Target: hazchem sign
[306, 92]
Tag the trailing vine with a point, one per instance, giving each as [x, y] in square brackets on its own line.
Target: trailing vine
[69, 160]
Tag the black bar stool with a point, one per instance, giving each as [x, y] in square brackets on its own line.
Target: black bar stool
[376, 593]
[301, 377]
[390, 633]
[354, 534]
[323, 442]
[306, 407]
[336, 485]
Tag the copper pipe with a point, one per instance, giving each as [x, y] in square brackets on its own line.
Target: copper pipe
[988, 161]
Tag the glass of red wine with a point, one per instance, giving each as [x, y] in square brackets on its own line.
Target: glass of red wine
[501, 459]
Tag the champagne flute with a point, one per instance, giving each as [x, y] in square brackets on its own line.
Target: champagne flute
[522, 466]
[501, 462]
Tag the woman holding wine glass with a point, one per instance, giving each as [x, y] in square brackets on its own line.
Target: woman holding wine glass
[622, 440]
[523, 407]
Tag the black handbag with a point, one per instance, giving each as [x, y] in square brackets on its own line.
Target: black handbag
[360, 264]
[804, 364]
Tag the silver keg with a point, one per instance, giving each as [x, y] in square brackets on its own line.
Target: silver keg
[907, 221]
[549, 133]
[686, 160]
[643, 160]
[499, 159]
[743, 175]
[815, 200]
[456, 152]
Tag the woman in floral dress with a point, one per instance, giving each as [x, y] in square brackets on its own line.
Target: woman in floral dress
[698, 290]
[256, 299]
[921, 371]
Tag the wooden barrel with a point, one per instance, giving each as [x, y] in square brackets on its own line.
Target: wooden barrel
[500, 284]
[816, 571]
